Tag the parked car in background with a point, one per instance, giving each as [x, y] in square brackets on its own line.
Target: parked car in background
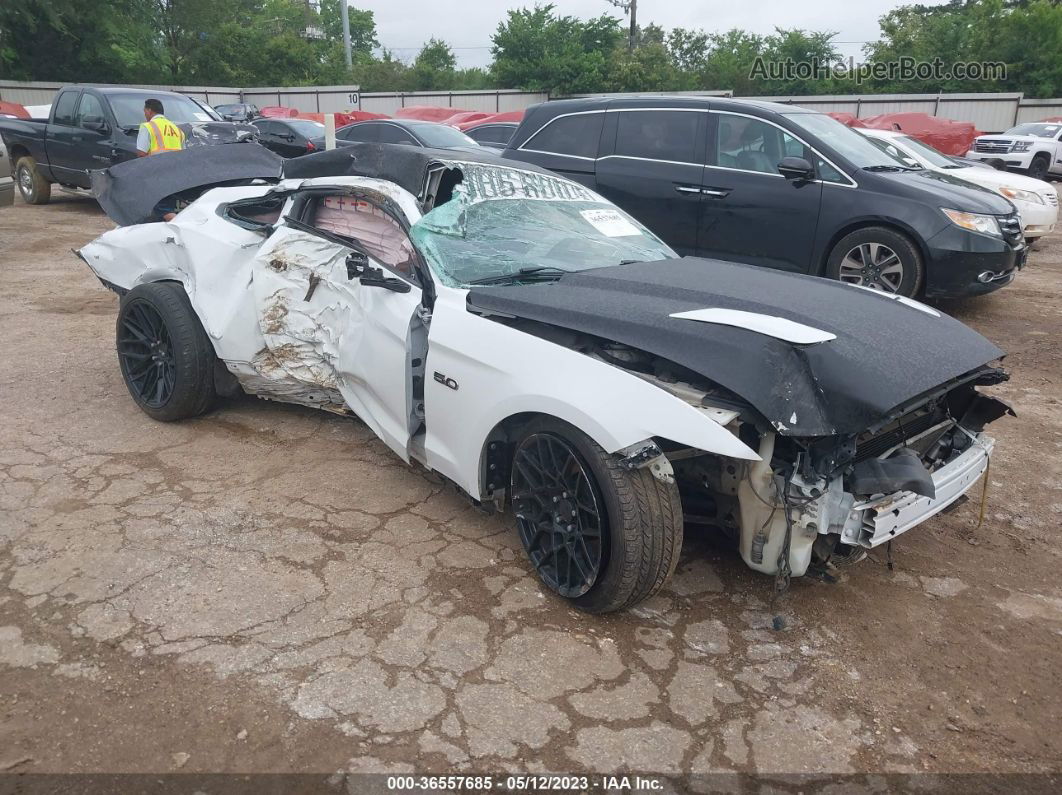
[291, 137]
[493, 134]
[779, 186]
[406, 131]
[239, 111]
[1036, 200]
[1035, 148]
[92, 127]
[528, 341]
[7, 182]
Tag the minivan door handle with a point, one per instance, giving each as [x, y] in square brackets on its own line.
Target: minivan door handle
[693, 189]
[716, 193]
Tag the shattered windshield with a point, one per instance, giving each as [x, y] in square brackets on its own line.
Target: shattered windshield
[505, 226]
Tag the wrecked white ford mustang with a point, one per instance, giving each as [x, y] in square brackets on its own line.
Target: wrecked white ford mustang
[525, 339]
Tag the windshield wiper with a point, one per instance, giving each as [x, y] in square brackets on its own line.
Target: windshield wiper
[889, 168]
[537, 273]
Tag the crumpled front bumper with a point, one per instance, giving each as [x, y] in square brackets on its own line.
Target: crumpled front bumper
[885, 518]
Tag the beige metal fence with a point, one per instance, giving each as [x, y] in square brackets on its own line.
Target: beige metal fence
[990, 112]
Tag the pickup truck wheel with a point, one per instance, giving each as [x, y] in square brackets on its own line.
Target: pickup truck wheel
[34, 188]
[878, 258]
[600, 535]
[166, 358]
[1039, 166]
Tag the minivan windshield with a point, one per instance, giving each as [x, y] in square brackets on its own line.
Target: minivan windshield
[506, 226]
[1035, 130]
[846, 142]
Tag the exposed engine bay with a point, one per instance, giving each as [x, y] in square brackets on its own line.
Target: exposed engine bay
[811, 500]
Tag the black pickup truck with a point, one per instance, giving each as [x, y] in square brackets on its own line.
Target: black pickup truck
[93, 127]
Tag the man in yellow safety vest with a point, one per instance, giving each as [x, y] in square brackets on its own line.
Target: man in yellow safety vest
[158, 135]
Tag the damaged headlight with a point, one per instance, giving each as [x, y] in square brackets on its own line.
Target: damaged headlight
[985, 224]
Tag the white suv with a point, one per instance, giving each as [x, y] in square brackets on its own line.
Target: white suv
[1035, 148]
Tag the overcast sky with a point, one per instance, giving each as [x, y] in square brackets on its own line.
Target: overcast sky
[467, 25]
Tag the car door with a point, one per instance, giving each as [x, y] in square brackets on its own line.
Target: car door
[750, 212]
[93, 148]
[328, 331]
[655, 168]
[60, 138]
[275, 135]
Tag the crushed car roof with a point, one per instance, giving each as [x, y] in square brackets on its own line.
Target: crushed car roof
[837, 386]
[406, 166]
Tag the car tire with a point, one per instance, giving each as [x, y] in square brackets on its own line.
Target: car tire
[637, 518]
[34, 188]
[1039, 167]
[863, 257]
[164, 354]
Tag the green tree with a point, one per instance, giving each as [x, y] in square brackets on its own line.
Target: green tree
[434, 67]
[537, 50]
[362, 28]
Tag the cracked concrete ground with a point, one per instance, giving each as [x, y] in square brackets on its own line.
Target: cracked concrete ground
[269, 589]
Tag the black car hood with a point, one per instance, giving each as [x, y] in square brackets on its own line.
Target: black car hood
[951, 192]
[885, 352]
[129, 191]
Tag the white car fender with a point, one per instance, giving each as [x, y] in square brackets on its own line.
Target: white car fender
[210, 256]
[480, 372]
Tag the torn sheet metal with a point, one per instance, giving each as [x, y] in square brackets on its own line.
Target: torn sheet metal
[406, 166]
[129, 191]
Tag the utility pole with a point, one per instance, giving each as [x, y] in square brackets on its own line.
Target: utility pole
[629, 7]
[344, 14]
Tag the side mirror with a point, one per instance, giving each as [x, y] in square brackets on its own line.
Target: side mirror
[357, 264]
[375, 278]
[358, 267]
[796, 169]
[94, 123]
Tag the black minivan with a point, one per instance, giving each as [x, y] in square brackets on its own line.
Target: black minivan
[779, 186]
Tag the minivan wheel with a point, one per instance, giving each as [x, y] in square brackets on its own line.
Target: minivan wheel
[165, 356]
[878, 258]
[1039, 166]
[600, 535]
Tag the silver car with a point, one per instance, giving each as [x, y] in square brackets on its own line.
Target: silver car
[7, 184]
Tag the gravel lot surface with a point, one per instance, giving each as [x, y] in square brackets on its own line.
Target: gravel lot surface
[269, 589]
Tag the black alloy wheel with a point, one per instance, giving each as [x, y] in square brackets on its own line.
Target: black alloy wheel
[146, 355]
[560, 515]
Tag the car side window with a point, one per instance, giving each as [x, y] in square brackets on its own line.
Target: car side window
[374, 229]
[575, 136]
[362, 133]
[828, 173]
[658, 135]
[265, 127]
[64, 108]
[493, 134]
[749, 144]
[390, 134]
[89, 109]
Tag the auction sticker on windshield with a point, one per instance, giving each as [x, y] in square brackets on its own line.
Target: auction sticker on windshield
[484, 182]
[610, 223]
